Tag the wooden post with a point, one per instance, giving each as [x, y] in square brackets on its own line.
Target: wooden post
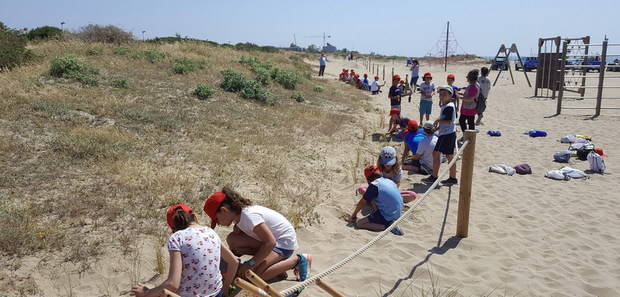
[601, 79]
[562, 78]
[327, 288]
[555, 62]
[167, 293]
[467, 171]
[392, 71]
[582, 90]
[250, 288]
[514, 45]
[540, 42]
[260, 283]
[383, 72]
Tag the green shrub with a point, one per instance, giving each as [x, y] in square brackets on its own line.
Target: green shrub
[184, 66]
[247, 46]
[249, 89]
[203, 92]
[152, 55]
[13, 50]
[318, 89]
[253, 90]
[120, 83]
[233, 81]
[45, 32]
[71, 67]
[93, 52]
[121, 51]
[105, 34]
[288, 79]
[299, 97]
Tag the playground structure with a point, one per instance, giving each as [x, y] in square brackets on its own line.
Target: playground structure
[504, 53]
[575, 63]
[549, 61]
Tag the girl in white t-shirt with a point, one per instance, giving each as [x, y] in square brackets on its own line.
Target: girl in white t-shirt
[195, 255]
[258, 231]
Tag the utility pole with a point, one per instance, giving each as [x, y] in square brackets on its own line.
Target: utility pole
[294, 39]
[143, 31]
[445, 60]
[323, 39]
[62, 24]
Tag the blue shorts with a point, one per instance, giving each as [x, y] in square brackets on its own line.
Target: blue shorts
[284, 253]
[426, 107]
[377, 218]
[414, 81]
[395, 106]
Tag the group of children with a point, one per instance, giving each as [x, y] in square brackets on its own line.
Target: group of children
[201, 266]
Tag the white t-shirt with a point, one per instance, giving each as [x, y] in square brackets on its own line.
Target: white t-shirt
[485, 86]
[415, 70]
[426, 148]
[374, 86]
[200, 253]
[322, 60]
[283, 231]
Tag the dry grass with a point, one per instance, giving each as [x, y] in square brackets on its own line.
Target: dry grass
[64, 172]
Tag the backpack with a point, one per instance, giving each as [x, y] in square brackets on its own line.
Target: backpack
[562, 156]
[581, 145]
[573, 173]
[502, 169]
[582, 153]
[568, 139]
[556, 174]
[596, 162]
[494, 133]
[523, 169]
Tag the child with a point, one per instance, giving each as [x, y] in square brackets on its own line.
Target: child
[422, 160]
[389, 167]
[396, 121]
[365, 84]
[485, 88]
[415, 74]
[358, 81]
[446, 143]
[395, 92]
[469, 98]
[259, 231]
[343, 75]
[375, 87]
[195, 253]
[455, 89]
[385, 199]
[427, 90]
[413, 136]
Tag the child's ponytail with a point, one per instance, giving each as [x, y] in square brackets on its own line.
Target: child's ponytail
[182, 219]
[234, 200]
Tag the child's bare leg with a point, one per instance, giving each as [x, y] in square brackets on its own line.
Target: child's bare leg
[421, 117]
[428, 116]
[364, 223]
[275, 265]
[436, 163]
[453, 168]
[241, 244]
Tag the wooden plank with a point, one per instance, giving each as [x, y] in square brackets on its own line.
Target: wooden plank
[328, 289]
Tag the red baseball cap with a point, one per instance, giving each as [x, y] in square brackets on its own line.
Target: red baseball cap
[394, 111]
[376, 77]
[396, 77]
[172, 209]
[451, 76]
[600, 151]
[428, 74]
[369, 170]
[402, 81]
[212, 205]
[412, 125]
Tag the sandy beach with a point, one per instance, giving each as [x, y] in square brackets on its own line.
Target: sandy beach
[529, 235]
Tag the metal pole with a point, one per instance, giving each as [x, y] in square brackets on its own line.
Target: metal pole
[445, 59]
[561, 82]
[601, 80]
[467, 171]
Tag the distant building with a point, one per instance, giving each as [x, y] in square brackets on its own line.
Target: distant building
[329, 48]
[295, 48]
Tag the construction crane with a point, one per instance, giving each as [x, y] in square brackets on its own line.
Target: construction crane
[319, 36]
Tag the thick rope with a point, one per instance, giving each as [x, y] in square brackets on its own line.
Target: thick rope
[383, 233]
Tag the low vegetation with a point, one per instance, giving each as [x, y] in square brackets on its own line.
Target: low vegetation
[13, 50]
[203, 92]
[185, 65]
[104, 34]
[71, 67]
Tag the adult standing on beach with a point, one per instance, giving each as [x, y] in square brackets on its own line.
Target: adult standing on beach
[322, 63]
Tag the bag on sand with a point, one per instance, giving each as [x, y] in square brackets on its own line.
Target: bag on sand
[502, 169]
[586, 137]
[573, 173]
[575, 138]
[523, 169]
[562, 156]
[582, 153]
[556, 174]
[581, 145]
[494, 133]
[597, 164]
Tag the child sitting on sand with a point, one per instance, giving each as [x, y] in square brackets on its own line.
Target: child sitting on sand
[397, 123]
[427, 90]
[383, 196]
[389, 167]
[343, 75]
[422, 160]
[375, 87]
[195, 253]
[365, 83]
[258, 231]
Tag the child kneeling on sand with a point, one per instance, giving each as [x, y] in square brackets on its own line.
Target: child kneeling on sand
[195, 254]
[375, 86]
[259, 231]
[383, 196]
[389, 168]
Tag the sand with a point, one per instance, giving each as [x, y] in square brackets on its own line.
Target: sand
[528, 236]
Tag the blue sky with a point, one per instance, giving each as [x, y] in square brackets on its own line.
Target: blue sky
[409, 28]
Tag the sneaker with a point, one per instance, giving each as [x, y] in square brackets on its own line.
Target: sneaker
[430, 179]
[303, 267]
[450, 181]
[396, 231]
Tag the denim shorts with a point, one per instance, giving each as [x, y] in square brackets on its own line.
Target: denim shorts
[284, 253]
[377, 218]
[426, 107]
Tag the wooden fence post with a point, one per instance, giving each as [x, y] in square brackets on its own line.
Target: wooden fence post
[467, 171]
[243, 284]
[383, 72]
[261, 284]
[601, 80]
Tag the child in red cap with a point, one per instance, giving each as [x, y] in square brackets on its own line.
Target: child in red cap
[195, 254]
[455, 96]
[375, 87]
[427, 90]
[395, 93]
[258, 231]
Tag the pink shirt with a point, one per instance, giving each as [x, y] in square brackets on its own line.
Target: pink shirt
[469, 108]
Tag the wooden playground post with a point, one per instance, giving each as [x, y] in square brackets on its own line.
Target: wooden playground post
[562, 77]
[327, 288]
[261, 284]
[467, 171]
[540, 42]
[555, 61]
[167, 293]
[601, 79]
[243, 284]
[582, 90]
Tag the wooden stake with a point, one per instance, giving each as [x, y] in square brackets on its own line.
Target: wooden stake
[467, 171]
[260, 283]
[250, 288]
[327, 288]
[167, 293]
[383, 72]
